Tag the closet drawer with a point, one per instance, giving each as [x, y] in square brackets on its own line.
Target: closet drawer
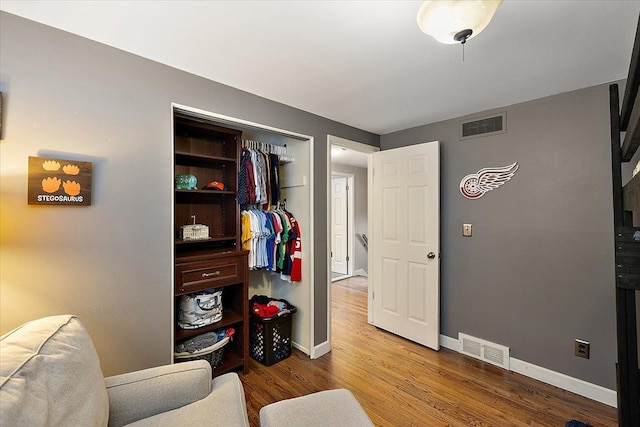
[196, 276]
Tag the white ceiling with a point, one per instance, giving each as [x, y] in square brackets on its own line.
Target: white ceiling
[364, 63]
[346, 156]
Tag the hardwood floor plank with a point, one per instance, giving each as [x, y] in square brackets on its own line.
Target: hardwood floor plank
[400, 383]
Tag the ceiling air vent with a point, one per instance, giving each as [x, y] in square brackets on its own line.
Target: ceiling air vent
[483, 127]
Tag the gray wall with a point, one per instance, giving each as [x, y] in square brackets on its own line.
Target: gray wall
[110, 263]
[360, 211]
[538, 271]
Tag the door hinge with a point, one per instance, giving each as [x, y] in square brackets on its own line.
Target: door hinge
[347, 257]
[331, 254]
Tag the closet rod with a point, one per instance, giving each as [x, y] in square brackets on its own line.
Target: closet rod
[265, 147]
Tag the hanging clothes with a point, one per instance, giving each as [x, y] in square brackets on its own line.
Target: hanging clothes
[296, 253]
[258, 178]
[246, 169]
[274, 242]
[242, 179]
[274, 177]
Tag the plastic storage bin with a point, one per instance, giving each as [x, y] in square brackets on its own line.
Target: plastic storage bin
[270, 337]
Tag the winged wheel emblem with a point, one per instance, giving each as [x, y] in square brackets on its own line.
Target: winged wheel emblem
[475, 185]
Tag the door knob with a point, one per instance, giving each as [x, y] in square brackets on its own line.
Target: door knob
[431, 255]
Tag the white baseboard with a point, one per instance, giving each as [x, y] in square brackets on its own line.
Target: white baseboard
[450, 343]
[565, 382]
[318, 351]
[321, 349]
[305, 350]
[360, 272]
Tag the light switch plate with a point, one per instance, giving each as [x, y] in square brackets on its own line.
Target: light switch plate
[466, 230]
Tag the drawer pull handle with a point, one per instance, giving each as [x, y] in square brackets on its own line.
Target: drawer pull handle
[215, 273]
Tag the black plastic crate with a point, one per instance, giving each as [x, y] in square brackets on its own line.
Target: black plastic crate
[270, 337]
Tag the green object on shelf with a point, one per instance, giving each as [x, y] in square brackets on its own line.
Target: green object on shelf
[186, 182]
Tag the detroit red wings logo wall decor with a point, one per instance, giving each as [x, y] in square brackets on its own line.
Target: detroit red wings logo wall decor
[475, 185]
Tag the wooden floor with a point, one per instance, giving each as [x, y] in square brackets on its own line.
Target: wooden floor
[400, 383]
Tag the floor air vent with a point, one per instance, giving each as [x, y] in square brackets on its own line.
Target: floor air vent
[486, 351]
[484, 127]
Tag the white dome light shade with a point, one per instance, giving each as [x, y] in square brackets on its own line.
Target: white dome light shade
[443, 19]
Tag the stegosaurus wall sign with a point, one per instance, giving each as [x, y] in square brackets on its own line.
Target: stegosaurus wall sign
[59, 182]
[475, 185]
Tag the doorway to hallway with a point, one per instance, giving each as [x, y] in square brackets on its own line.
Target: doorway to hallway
[342, 242]
[349, 158]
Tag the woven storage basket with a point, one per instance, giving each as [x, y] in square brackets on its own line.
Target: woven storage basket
[212, 354]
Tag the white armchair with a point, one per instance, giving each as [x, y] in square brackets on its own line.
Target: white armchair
[50, 376]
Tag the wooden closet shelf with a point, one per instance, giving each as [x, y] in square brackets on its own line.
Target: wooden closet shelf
[184, 157]
[228, 319]
[209, 192]
[210, 239]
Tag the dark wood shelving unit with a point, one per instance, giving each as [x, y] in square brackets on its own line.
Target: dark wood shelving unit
[211, 153]
[626, 213]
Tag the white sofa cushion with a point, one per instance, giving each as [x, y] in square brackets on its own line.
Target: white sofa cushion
[50, 376]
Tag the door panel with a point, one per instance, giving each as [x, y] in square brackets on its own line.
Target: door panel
[405, 231]
[417, 278]
[390, 293]
[389, 214]
[339, 225]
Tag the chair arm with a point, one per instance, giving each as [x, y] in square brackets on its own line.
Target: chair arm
[137, 395]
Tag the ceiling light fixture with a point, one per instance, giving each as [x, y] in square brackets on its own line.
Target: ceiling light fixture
[455, 21]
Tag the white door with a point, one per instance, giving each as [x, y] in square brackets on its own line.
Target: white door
[405, 242]
[339, 225]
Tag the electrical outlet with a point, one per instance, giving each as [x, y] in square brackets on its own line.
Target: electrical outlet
[581, 348]
[466, 230]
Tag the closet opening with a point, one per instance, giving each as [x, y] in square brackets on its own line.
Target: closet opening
[295, 154]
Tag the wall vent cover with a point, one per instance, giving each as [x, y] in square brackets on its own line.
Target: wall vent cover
[484, 126]
[486, 351]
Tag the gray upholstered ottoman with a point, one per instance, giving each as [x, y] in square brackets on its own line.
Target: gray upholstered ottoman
[325, 408]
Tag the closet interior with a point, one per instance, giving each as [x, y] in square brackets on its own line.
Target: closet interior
[212, 151]
[295, 197]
